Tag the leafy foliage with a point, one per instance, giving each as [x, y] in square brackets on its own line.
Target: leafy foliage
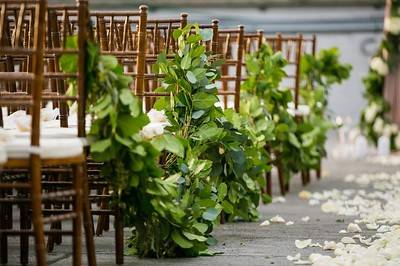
[373, 120]
[164, 224]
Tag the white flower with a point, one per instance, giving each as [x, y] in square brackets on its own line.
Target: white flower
[302, 243]
[277, 219]
[304, 194]
[387, 130]
[378, 125]
[379, 66]
[370, 112]
[266, 222]
[392, 25]
[157, 116]
[152, 130]
[353, 228]
[395, 128]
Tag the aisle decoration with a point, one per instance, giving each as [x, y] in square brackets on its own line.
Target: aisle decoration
[373, 121]
[164, 224]
[318, 74]
[223, 162]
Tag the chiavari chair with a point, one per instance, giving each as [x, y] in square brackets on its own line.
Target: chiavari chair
[293, 48]
[231, 46]
[73, 156]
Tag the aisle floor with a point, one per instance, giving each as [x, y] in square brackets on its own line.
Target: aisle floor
[250, 243]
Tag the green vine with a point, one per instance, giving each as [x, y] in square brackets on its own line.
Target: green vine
[373, 121]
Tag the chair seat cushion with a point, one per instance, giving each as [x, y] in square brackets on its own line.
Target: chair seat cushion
[50, 148]
[3, 154]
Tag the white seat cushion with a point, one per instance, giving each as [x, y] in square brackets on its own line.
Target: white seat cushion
[3, 154]
[50, 148]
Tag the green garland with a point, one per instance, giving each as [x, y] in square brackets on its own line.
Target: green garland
[373, 120]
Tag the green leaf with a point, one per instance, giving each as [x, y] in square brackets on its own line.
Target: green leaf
[176, 33]
[100, 145]
[203, 100]
[202, 228]
[198, 114]
[69, 63]
[211, 214]
[222, 191]
[180, 240]
[191, 77]
[130, 125]
[193, 38]
[186, 62]
[227, 207]
[109, 61]
[191, 236]
[126, 96]
[170, 143]
[294, 141]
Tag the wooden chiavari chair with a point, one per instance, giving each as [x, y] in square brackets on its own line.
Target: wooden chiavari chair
[72, 157]
[293, 48]
[231, 45]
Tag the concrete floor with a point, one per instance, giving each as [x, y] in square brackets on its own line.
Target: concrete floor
[249, 243]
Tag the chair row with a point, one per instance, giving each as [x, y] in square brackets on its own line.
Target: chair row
[49, 155]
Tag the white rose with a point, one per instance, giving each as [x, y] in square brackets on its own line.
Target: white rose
[379, 66]
[370, 112]
[157, 116]
[392, 25]
[394, 129]
[387, 130]
[378, 125]
[397, 141]
[152, 130]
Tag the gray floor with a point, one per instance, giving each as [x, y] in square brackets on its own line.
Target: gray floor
[248, 243]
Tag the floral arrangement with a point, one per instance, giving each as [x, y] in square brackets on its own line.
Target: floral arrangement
[373, 121]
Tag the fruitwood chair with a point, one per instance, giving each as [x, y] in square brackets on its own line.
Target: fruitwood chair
[32, 159]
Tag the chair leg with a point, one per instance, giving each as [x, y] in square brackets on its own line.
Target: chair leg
[37, 218]
[88, 223]
[3, 237]
[318, 171]
[268, 181]
[77, 222]
[119, 236]
[304, 177]
[24, 239]
[281, 176]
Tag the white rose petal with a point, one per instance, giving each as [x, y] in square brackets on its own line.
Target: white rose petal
[277, 219]
[348, 240]
[329, 245]
[304, 194]
[278, 199]
[290, 223]
[293, 258]
[305, 218]
[329, 207]
[313, 202]
[353, 228]
[302, 262]
[266, 222]
[302, 243]
[372, 226]
[157, 116]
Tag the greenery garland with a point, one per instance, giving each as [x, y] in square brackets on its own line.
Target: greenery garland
[373, 120]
